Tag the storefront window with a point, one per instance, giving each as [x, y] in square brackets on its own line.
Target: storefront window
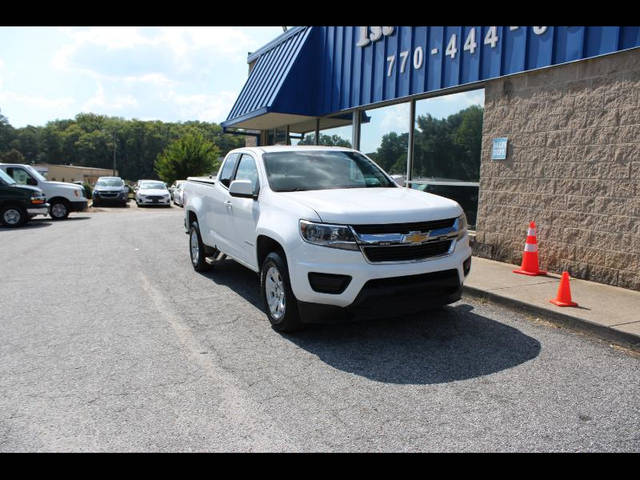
[385, 137]
[331, 137]
[447, 142]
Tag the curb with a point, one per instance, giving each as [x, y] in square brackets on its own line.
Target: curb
[608, 334]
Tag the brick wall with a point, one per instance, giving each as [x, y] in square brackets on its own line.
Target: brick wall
[573, 167]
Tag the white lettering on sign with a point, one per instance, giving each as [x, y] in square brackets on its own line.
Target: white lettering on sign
[368, 35]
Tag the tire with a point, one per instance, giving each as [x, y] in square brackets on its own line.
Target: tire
[13, 216]
[197, 249]
[59, 210]
[280, 304]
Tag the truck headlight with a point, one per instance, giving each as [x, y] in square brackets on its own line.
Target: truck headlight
[333, 236]
[462, 225]
[37, 199]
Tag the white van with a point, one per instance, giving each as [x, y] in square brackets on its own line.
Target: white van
[62, 197]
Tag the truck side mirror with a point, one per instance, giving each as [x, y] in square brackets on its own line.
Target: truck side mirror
[242, 189]
[399, 179]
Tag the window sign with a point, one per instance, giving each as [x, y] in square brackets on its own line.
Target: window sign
[499, 150]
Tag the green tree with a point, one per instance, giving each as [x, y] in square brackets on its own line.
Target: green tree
[12, 156]
[326, 140]
[190, 155]
[7, 133]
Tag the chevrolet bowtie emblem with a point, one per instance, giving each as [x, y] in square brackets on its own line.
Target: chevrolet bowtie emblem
[415, 237]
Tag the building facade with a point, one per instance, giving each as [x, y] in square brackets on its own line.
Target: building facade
[552, 135]
[73, 173]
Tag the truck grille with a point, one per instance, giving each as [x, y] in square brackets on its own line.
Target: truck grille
[398, 253]
[404, 227]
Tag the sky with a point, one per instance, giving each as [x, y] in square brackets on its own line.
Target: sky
[172, 74]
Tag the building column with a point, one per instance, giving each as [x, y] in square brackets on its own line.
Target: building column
[412, 119]
[355, 134]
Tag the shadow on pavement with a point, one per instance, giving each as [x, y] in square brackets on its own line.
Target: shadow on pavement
[439, 346]
[31, 224]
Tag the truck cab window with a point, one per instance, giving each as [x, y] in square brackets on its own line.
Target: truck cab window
[247, 171]
[21, 176]
[228, 168]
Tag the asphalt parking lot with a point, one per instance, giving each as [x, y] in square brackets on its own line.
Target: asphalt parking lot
[111, 342]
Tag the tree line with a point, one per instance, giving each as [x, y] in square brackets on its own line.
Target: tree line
[89, 140]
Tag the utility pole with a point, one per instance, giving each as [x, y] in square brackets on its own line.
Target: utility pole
[114, 154]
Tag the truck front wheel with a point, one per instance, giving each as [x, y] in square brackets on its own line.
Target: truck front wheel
[11, 216]
[280, 303]
[59, 210]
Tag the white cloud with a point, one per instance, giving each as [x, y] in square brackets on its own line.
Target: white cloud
[175, 49]
[36, 101]
[203, 107]
[99, 102]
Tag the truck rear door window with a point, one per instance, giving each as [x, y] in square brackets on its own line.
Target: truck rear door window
[228, 168]
[247, 171]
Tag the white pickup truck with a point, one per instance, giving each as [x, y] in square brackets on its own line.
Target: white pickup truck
[62, 197]
[329, 232]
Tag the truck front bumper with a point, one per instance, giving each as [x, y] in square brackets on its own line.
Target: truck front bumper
[78, 206]
[381, 287]
[42, 209]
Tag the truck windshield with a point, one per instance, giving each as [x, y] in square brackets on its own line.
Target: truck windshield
[34, 173]
[294, 171]
[6, 178]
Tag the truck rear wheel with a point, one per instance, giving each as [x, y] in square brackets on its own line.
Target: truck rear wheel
[12, 216]
[197, 249]
[280, 304]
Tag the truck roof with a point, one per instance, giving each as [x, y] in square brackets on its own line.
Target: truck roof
[291, 148]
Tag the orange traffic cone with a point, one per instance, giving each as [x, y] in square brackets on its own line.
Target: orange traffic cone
[564, 293]
[530, 256]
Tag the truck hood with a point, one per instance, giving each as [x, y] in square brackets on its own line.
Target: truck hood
[354, 206]
[66, 185]
[27, 187]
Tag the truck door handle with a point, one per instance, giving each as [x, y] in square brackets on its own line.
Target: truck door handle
[228, 203]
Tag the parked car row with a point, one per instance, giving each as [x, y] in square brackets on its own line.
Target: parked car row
[25, 193]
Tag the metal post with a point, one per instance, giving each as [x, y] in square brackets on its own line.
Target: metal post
[412, 119]
[317, 131]
[355, 133]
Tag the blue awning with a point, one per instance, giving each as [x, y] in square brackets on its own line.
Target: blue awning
[279, 88]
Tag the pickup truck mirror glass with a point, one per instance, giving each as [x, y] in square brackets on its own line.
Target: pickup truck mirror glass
[242, 188]
[399, 179]
[32, 181]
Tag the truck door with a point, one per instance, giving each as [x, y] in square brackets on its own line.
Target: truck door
[218, 209]
[245, 212]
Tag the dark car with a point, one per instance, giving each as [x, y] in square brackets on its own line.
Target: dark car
[110, 190]
[19, 203]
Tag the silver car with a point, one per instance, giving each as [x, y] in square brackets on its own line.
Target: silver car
[178, 193]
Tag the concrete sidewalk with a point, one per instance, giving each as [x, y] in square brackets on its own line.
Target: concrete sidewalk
[612, 313]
